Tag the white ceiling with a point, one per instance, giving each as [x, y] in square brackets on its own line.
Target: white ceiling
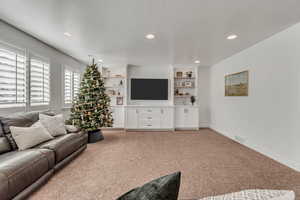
[186, 30]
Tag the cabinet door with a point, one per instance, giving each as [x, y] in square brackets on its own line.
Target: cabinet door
[191, 117]
[132, 118]
[166, 119]
[179, 117]
[118, 116]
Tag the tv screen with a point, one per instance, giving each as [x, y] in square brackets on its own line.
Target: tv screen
[149, 89]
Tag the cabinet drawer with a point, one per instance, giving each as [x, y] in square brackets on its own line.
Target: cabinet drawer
[153, 122]
[149, 111]
[149, 116]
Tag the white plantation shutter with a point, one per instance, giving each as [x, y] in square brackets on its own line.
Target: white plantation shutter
[12, 76]
[68, 86]
[72, 85]
[76, 81]
[39, 82]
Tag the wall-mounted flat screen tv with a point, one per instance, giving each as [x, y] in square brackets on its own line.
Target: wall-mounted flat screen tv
[149, 89]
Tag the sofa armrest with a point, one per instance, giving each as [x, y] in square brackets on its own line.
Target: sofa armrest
[72, 129]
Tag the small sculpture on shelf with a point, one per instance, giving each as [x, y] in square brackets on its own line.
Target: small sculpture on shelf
[189, 74]
[193, 100]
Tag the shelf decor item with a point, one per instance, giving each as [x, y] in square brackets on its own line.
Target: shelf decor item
[237, 84]
[188, 84]
[90, 110]
[193, 100]
[119, 100]
[179, 74]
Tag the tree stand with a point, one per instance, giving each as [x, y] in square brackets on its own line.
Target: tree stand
[95, 136]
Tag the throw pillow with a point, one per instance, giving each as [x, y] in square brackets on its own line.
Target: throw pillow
[164, 188]
[20, 119]
[27, 137]
[54, 124]
[256, 195]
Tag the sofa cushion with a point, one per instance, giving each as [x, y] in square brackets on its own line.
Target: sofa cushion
[19, 169]
[64, 145]
[27, 137]
[20, 120]
[4, 145]
[164, 188]
[54, 124]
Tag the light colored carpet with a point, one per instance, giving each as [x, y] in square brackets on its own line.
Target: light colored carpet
[210, 164]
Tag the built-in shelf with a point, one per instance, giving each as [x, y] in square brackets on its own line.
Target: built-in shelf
[179, 78]
[184, 87]
[114, 86]
[116, 77]
[183, 96]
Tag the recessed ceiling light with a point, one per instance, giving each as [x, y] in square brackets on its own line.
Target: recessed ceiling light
[150, 36]
[67, 34]
[197, 61]
[232, 37]
[100, 60]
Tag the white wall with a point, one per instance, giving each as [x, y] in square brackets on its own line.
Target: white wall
[11, 35]
[269, 119]
[159, 72]
[203, 93]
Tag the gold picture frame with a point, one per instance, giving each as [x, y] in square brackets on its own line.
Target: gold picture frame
[237, 84]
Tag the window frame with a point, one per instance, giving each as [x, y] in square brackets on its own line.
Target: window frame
[43, 60]
[17, 52]
[72, 92]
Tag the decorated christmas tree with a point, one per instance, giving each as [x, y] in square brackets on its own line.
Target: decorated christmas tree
[90, 110]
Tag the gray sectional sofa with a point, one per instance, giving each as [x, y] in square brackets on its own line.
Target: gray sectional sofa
[22, 172]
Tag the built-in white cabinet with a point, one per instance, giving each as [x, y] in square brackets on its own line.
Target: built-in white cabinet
[118, 116]
[186, 117]
[140, 117]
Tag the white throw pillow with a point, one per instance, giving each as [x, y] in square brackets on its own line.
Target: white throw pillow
[256, 195]
[27, 137]
[54, 124]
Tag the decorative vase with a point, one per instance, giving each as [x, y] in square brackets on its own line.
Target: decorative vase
[95, 136]
[193, 100]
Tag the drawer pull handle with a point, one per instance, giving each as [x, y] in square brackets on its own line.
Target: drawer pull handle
[149, 117]
[149, 110]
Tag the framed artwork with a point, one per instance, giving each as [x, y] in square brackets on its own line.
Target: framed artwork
[237, 84]
[119, 100]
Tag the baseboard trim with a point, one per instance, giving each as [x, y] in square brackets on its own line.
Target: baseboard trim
[204, 124]
[293, 165]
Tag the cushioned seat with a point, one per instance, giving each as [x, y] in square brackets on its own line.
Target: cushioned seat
[65, 145]
[20, 169]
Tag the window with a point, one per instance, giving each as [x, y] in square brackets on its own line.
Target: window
[72, 85]
[39, 82]
[76, 81]
[12, 76]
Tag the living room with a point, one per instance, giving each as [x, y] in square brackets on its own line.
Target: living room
[149, 100]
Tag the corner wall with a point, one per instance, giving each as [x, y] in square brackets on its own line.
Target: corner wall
[269, 119]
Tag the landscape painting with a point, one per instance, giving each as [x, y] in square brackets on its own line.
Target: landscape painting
[237, 84]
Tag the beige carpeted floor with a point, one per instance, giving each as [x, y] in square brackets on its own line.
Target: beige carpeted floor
[210, 164]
